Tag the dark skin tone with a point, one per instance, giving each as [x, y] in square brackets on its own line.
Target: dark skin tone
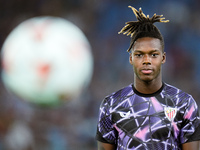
[147, 57]
[105, 146]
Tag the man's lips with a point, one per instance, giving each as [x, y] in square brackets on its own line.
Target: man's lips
[146, 71]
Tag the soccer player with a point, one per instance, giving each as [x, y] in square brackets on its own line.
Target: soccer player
[149, 114]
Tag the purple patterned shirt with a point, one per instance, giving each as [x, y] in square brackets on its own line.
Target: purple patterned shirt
[135, 121]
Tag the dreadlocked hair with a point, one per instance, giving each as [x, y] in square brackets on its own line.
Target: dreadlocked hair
[143, 27]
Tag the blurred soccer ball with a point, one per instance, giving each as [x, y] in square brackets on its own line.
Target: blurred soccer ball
[46, 60]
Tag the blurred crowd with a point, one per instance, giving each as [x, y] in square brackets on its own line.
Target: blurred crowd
[73, 127]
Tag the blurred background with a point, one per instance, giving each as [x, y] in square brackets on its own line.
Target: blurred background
[73, 127]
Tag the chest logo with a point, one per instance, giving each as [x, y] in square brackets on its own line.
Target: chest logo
[170, 113]
[125, 115]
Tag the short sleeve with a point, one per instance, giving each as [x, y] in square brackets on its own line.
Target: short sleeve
[106, 132]
[190, 130]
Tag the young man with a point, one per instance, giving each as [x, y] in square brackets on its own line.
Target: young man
[148, 114]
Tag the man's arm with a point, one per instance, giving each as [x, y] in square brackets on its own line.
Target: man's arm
[105, 146]
[191, 146]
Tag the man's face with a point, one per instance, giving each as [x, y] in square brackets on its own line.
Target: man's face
[147, 57]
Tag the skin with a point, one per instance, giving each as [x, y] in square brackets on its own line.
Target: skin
[106, 146]
[147, 57]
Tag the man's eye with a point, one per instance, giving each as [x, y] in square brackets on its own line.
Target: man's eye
[154, 55]
[138, 55]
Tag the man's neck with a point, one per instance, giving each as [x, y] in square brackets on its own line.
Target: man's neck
[148, 87]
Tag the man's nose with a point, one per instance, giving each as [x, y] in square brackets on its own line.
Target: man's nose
[146, 59]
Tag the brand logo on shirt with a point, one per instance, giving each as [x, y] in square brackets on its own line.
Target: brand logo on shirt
[170, 113]
[125, 114]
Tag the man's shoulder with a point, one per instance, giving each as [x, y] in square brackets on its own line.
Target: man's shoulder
[124, 92]
[173, 90]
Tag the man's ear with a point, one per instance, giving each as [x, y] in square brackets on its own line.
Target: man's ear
[131, 59]
[164, 58]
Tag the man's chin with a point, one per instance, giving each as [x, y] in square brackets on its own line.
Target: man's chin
[147, 79]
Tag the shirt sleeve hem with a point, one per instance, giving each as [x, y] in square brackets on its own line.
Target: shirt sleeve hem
[100, 139]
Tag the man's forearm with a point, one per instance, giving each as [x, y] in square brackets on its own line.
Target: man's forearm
[191, 146]
[106, 146]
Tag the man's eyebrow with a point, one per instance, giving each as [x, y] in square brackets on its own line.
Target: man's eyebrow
[151, 51]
